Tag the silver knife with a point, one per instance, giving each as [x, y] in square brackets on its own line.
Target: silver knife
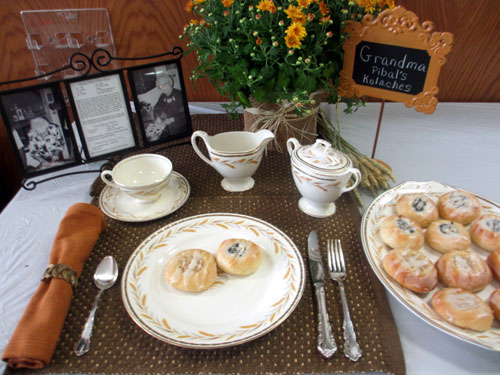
[326, 342]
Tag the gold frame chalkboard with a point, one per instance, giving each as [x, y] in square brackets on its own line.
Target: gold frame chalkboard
[396, 27]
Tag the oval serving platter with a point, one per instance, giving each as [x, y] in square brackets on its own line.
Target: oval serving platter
[375, 250]
[236, 309]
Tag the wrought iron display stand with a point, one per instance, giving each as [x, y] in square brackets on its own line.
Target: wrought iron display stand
[83, 64]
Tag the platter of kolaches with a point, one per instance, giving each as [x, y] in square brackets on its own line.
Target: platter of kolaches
[436, 248]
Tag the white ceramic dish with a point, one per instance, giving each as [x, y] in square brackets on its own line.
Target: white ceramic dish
[120, 206]
[236, 309]
[375, 250]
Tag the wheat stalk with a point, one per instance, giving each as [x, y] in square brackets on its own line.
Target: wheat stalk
[374, 175]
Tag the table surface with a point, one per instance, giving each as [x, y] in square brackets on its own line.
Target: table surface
[457, 145]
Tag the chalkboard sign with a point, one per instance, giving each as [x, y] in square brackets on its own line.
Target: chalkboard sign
[399, 69]
[393, 57]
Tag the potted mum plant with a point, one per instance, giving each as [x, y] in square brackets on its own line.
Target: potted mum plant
[277, 59]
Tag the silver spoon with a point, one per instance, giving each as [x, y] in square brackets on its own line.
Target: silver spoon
[104, 277]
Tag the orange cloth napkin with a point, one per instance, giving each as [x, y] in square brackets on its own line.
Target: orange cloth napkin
[34, 340]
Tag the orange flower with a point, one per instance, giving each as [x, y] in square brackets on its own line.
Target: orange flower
[292, 42]
[198, 2]
[325, 19]
[227, 3]
[304, 3]
[390, 3]
[296, 14]
[193, 22]
[189, 6]
[367, 3]
[258, 41]
[323, 8]
[267, 5]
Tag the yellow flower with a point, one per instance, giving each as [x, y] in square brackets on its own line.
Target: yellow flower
[370, 8]
[296, 14]
[292, 42]
[198, 2]
[304, 3]
[193, 22]
[297, 30]
[383, 3]
[228, 3]
[267, 5]
[365, 3]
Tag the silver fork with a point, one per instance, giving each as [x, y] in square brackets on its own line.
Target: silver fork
[337, 270]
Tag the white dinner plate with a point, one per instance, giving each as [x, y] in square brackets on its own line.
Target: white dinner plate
[375, 250]
[236, 309]
[120, 206]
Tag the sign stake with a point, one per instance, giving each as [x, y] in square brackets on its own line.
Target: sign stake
[378, 127]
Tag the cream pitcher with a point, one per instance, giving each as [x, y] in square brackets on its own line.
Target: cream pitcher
[321, 174]
[235, 155]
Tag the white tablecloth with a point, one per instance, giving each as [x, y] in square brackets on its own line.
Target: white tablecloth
[457, 145]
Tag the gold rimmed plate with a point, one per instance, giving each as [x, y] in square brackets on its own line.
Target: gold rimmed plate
[236, 309]
[375, 250]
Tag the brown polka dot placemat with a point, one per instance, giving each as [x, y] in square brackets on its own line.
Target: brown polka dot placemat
[119, 346]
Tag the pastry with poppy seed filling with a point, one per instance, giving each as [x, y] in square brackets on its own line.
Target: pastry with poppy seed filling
[419, 208]
[485, 232]
[399, 231]
[238, 256]
[446, 235]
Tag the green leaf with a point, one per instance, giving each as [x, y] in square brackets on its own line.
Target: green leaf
[244, 99]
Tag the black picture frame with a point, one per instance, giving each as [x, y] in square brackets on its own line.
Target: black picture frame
[39, 128]
[160, 101]
[102, 131]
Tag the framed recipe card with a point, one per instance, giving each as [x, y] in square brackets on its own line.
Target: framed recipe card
[160, 101]
[102, 114]
[39, 129]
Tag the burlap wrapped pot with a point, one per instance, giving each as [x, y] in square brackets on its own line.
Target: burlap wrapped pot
[283, 121]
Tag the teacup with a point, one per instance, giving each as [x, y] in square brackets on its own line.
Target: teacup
[142, 177]
[235, 155]
[321, 174]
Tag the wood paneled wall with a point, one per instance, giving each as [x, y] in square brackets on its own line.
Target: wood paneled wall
[146, 27]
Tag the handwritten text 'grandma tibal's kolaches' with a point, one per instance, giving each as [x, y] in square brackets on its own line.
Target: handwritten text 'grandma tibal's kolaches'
[389, 72]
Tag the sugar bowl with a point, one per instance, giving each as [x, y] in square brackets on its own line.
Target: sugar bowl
[321, 174]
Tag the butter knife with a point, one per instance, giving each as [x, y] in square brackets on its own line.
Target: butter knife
[326, 342]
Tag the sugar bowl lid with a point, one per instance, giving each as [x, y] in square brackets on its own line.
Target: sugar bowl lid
[321, 157]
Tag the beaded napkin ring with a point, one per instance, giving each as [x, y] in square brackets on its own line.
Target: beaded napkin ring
[61, 271]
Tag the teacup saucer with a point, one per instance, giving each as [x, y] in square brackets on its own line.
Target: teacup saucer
[120, 206]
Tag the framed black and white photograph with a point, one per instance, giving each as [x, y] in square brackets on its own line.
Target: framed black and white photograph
[102, 113]
[39, 128]
[160, 101]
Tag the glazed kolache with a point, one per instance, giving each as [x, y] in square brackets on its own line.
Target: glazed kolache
[195, 270]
